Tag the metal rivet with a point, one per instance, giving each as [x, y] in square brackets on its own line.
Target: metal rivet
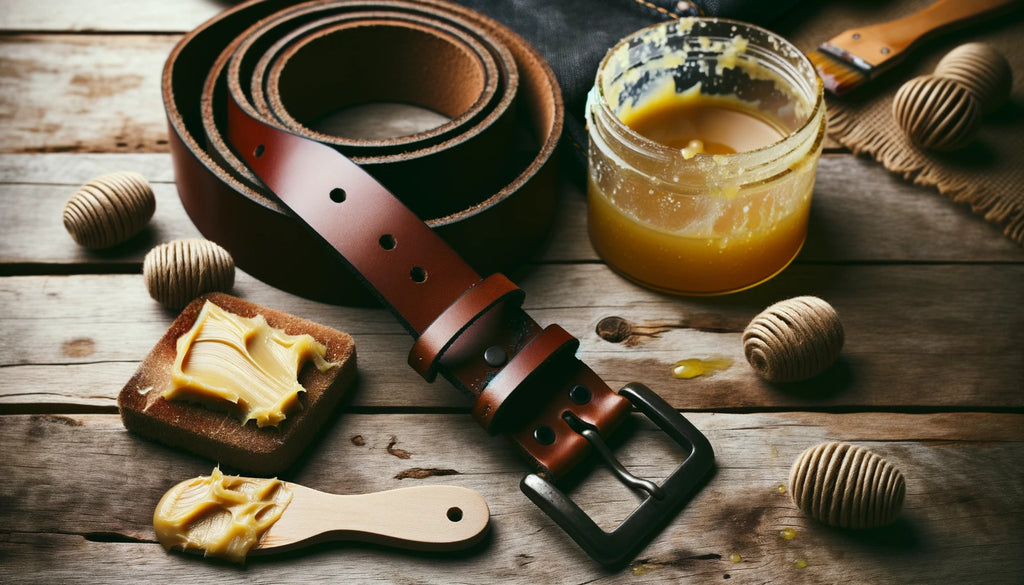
[579, 394]
[544, 435]
[495, 356]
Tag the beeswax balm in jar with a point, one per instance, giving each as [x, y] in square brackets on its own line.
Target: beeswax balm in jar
[705, 136]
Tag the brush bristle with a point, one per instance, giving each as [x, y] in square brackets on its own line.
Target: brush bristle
[838, 76]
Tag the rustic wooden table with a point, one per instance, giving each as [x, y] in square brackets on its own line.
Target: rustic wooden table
[931, 377]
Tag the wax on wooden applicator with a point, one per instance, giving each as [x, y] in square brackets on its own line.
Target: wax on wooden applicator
[231, 516]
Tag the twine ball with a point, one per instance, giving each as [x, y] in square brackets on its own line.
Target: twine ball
[937, 113]
[109, 209]
[847, 486]
[984, 71]
[794, 339]
[181, 270]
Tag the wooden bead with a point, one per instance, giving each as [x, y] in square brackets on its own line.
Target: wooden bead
[937, 113]
[794, 339]
[847, 486]
[109, 209]
[181, 270]
[982, 70]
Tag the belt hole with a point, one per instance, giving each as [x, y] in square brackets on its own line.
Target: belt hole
[544, 435]
[418, 274]
[258, 151]
[579, 394]
[387, 241]
[337, 195]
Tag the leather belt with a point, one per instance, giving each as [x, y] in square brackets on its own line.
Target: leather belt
[472, 179]
[262, 64]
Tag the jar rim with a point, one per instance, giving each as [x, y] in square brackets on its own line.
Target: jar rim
[789, 142]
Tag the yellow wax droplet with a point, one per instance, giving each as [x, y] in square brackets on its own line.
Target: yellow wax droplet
[692, 149]
[639, 570]
[735, 557]
[788, 533]
[800, 563]
[782, 488]
[693, 367]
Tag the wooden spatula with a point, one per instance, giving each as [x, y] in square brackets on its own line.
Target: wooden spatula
[231, 517]
[431, 518]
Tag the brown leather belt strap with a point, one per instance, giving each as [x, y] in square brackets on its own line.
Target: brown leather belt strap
[469, 179]
[244, 92]
[274, 67]
[421, 279]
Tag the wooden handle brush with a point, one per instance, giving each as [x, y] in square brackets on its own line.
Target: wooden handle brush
[860, 54]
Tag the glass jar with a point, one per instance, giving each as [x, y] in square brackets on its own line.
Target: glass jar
[681, 219]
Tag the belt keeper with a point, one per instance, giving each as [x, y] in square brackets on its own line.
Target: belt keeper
[492, 406]
[430, 346]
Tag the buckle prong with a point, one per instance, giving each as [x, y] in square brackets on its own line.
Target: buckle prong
[644, 522]
[591, 434]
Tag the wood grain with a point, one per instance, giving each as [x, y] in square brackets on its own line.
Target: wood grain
[930, 376]
[961, 509]
[55, 98]
[889, 221]
[956, 344]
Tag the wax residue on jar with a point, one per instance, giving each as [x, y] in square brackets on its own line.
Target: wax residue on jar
[693, 367]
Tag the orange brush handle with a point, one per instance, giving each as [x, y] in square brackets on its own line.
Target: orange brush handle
[882, 42]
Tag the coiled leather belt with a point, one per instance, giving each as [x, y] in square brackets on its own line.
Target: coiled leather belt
[243, 92]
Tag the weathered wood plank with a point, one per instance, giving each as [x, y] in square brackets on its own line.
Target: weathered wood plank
[929, 336]
[79, 489]
[66, 93]
[113, 16]
[890, 221]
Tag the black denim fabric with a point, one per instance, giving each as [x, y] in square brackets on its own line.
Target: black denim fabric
[574, 35]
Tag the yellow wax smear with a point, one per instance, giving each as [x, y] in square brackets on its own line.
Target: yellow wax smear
[735, 557]
[800, 563]
[788, 533]
[242, 364]
[781, 489]
[222, 515]
[693, 367]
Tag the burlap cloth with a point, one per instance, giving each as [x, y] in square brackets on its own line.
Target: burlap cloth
[988, 174]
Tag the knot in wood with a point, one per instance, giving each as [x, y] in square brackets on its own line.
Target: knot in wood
[847, 486]
[937, 113]
[794, 339]
[109, 209]
[181, 270]
[984, 71]
[614, 329]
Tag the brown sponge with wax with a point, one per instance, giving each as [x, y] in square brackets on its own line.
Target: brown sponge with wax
[213, 427]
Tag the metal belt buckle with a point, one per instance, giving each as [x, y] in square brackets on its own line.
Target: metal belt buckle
[660, 504]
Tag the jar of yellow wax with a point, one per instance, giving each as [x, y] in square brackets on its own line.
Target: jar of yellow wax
[705, 136]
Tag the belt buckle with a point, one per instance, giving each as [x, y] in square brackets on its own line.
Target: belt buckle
[661, 502]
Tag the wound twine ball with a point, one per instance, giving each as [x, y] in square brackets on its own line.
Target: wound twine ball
[984, 71]
[847, 486]
[109, 209]
[794, 339]
[181, 270]
[937, 113]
